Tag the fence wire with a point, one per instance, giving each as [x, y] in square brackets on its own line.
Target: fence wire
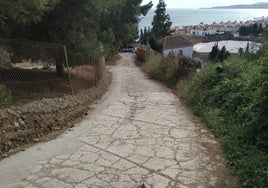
[32, 70]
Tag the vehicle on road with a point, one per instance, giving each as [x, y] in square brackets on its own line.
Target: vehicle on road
[128, 48]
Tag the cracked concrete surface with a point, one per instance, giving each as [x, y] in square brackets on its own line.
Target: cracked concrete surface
[138, 133]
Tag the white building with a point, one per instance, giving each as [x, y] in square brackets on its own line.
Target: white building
[230, 45]
[178, 46]
[196, 32]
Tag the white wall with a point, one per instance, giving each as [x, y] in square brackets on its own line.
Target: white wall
[196, 32]
[187, 51]
[231, 46]
[202, 32]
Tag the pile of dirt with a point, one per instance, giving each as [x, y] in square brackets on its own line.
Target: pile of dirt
[21, 126]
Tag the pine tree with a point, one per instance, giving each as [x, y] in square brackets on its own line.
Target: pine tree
[214, 52]
[141, 36]
[161, 21]
[223, 54]
[145, 35]
[217, 54]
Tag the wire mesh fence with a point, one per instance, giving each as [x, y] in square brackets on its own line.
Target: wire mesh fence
[32, 70]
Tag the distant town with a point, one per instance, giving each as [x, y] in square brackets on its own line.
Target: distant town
[220, 28]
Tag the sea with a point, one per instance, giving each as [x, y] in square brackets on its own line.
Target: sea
[187, 17]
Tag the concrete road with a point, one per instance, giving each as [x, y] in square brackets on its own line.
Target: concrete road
[139, 133]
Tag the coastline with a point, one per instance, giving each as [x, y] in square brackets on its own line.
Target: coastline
[237, 8]
[188, 17]
[260, 5]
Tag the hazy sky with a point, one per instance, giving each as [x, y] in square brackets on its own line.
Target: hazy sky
[202, 3]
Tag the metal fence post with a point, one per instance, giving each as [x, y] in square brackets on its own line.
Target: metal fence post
[95, 70]
[68, 69]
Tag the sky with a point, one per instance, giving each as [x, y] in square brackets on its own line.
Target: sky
[202, 3]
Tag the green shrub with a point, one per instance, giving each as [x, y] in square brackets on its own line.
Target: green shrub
[4, 59]
[159, 70]
[169, 69]
[5, 96]
[235, 107]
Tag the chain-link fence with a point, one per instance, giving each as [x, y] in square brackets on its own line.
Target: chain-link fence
[32, 70]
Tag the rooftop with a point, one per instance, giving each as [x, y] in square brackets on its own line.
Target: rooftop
[172, 42]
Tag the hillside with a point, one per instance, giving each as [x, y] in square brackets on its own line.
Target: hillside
[261, 5]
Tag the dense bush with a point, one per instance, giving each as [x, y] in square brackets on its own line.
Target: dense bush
[169, 69]
[5, 96]
[254, 29]
[235, 106]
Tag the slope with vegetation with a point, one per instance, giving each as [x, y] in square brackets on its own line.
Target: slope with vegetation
[231, 96]
[233, 101]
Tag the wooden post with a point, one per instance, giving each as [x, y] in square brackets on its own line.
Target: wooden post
[95, 70]
[68, 69]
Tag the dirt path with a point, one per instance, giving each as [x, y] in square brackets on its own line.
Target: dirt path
[138, 133]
